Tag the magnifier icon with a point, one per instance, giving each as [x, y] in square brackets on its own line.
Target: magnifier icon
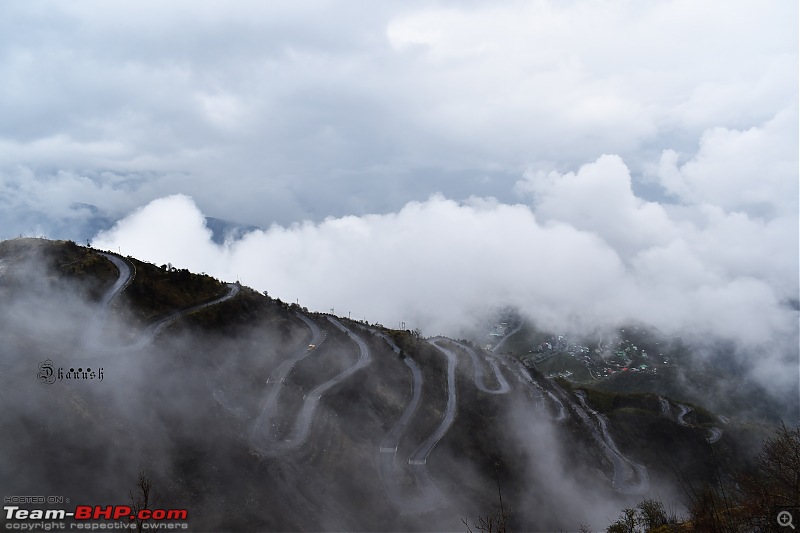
[785, 519]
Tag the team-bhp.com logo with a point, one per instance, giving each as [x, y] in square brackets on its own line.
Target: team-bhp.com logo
[99, 512]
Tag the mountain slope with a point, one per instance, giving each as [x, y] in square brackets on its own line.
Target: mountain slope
[259, 415]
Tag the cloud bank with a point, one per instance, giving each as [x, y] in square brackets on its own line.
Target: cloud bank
[585, 252]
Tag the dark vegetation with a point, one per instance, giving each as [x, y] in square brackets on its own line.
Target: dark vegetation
[156, 291]
[648, 516]
[65, 264]
[248, 309]
[750, 500]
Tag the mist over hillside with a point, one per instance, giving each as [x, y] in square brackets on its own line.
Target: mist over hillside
[256, 414]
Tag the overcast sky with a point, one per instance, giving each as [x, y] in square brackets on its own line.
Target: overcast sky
[270, 112]
[413, 160]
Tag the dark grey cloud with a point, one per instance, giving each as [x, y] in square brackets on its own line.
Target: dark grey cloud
[287, 111]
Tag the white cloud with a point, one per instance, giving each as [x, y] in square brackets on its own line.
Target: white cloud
[599, 199]
[721, 260]
[752, 170]
[432, 263]
[435, 262]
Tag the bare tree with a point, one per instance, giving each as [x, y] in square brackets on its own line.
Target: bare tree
[649, 515]
[143, 497]
[750, 501]
[779, 463]
[493, 522]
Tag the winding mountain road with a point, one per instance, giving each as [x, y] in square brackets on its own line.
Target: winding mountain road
[270, 447]
[624, 470]
[263, 422]
[506, 337]
[628, 477]
[480, 375]
[684, 410]
[388, 466]
[713, 433]
[420, 456]
[123, 279]
[392, 439]
[535, 391]
[125, 274]
[152, 331]
[430, 496]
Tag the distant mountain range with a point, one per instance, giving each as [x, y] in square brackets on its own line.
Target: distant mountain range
[222, 230]
[89, 220]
